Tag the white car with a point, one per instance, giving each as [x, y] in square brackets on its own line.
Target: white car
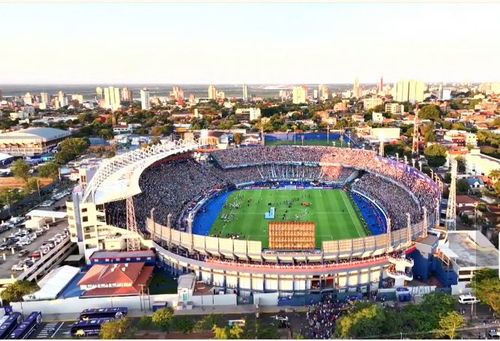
[18, 267]
[494, 334]
[468, 299]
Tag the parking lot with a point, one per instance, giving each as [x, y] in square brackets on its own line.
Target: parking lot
[10, 258]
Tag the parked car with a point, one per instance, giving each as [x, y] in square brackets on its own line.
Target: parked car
[494, 334]
[49, 244]
[28, 262]
[55, 240]
[36, 255]
[468, 299]
[22, 253]
[18, 267]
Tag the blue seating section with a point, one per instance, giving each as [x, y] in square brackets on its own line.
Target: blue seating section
[373, 217]
[207, 216]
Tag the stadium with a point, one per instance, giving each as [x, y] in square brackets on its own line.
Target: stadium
[286, 219]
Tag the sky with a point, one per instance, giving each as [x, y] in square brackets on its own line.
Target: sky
[248, 43]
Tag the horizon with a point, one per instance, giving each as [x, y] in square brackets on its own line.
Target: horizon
[245, 43]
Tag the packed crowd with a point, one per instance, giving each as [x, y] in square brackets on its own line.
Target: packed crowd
[425, 191]
[322, 317]
[170, 187]
[396, 201]
[167, 188]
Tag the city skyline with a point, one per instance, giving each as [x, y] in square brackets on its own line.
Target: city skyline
[248, 43]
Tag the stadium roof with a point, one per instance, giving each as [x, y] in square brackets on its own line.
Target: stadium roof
[44, 134]
[471, 249]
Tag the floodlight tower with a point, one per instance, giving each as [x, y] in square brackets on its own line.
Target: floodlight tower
[133, 244]
[414, 146]
[451, 209]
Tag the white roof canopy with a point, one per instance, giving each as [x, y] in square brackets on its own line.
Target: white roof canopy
[47, 214]
[52, 284]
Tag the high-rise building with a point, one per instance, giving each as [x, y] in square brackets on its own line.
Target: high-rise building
[220, 95]
[356, 89]
[394, 108]
[177, 93]
[372, 102]
[299, 95]
[99, 92]
[145, 105]
[28, 99]
[126, 95]
[324, 92]
[44, 98]
[112, 98]
[212, 92]
[63, 99]
[245, 92]
[77, 97]
[381, 85]
[409, 91]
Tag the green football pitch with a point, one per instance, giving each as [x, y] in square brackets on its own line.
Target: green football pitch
[299, 142]
[333, 212]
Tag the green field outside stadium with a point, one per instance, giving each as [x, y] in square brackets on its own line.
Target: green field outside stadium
[331, 209]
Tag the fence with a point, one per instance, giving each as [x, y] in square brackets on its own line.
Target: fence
[75, 305]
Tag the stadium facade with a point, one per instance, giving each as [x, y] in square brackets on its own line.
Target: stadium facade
[244, 265]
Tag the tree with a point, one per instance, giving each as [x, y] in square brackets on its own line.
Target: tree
[238, 137]
[106, 133]
[70, 148]
[31, 185]
[184, 324]
[21, 169]
[461, 164]
[430, 136]
[220, 333]
[49, 170]
[115, 329]
[208, 322]
[363, 321]
[430, 112]
[162, 318]
[462, 186]
[236, 332]
[15, 291]
[486, 287]
[436, 155]
[495, 175]
[449, 324]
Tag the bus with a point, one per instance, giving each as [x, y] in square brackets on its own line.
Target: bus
[10, 324]
[96, 313]
[90, 327]
[23, 331]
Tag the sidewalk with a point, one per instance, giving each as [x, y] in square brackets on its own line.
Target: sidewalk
[238, 309]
